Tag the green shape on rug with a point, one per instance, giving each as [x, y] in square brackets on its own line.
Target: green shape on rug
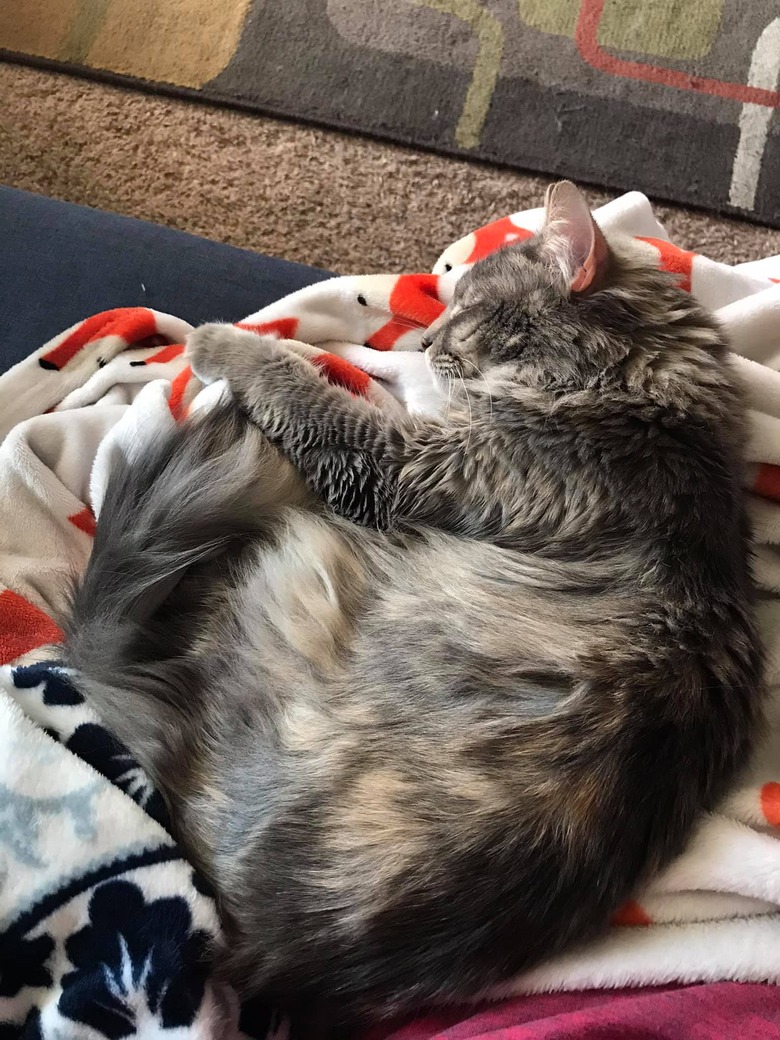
[83, 30]
[677, 29]
[484, 75]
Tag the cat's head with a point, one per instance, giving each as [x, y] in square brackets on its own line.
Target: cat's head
[565, 310]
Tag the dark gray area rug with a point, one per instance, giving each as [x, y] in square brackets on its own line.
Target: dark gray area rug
[674, 97]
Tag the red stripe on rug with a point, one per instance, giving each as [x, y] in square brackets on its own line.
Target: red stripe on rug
[586, 39]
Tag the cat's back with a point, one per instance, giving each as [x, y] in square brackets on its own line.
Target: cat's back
[647, 467]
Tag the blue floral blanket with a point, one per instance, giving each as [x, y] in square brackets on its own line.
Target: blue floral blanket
[105, 928]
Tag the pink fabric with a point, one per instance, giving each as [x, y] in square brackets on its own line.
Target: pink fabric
[715, 1011]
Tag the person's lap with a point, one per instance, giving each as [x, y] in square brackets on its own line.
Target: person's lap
[59, 263]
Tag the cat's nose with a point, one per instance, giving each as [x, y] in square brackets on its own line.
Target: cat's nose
[425, 342]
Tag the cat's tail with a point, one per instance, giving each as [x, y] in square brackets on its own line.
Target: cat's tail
[176, 518]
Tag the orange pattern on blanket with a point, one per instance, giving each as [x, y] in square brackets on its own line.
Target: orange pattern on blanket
[770, 803]
[767, 481]
[173, 350]
[129, 323]
[342, 373]
[414, 304]
[282, 328]
[495, 235]
[85, 521]
[23, 627]
[674, 260]
[631, 915]
[176, 403]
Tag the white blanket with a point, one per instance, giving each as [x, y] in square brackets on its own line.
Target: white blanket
[66, 833]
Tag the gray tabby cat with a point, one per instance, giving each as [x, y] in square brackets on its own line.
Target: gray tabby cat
[428, 699]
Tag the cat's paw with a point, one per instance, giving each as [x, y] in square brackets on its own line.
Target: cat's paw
[208, 350]
[217, 351]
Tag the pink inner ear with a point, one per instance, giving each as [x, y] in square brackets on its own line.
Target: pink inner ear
[593, 265]
[588, 253]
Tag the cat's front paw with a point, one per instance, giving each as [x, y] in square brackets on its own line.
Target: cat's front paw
[216, 351]
[208, 350]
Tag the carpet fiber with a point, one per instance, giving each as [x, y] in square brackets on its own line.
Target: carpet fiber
[340, 202]
[674, 97]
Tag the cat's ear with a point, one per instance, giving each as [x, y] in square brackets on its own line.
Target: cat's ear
[573, 239]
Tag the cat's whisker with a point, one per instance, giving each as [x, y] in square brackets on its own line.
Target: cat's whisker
[449, 398]
[407, 324]
[471, 415]
[412, 326]
[483, 377]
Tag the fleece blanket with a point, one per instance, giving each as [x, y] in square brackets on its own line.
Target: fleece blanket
[104, 927]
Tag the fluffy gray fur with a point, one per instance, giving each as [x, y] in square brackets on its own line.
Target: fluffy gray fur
[428, 699]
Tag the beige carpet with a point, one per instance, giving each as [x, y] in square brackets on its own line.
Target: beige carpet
[339, 202]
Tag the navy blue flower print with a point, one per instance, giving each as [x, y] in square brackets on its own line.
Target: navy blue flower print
[30, 1029]
[97, 746]
[201, 885]
[134, 959]
[23, 962]
[58, 690]
[258, 1020]
[92, 742]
